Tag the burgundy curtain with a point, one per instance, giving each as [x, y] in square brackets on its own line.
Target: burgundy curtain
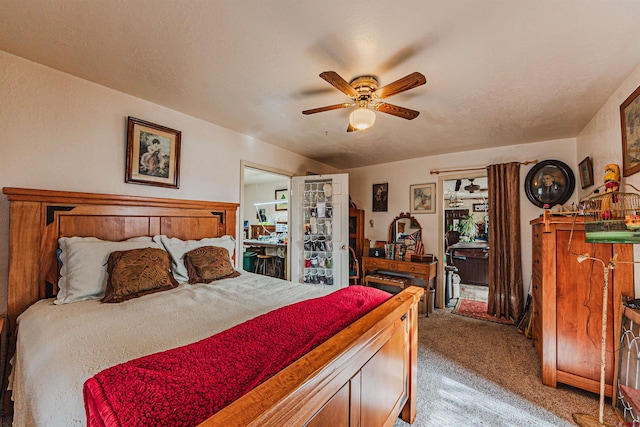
[505, 259]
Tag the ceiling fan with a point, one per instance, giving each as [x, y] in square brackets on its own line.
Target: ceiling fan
[366, 94]
[472, 188]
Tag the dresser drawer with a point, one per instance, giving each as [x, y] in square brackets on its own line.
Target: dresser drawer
[536, 283]
[378, 264]
[536, 263]
[536, 237]
[412, 268]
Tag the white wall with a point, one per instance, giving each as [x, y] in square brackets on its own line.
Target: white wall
[601, 140]
[264, 192]
[400, 175]
[60, 132]
[64, 133]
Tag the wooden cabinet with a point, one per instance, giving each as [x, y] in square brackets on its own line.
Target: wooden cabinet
[567, 303]
[356, 232]
[262, 230]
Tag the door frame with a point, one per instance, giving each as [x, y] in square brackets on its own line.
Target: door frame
[240, 232]
[439, 297]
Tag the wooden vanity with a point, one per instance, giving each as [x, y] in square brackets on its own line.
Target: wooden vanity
[405, 232]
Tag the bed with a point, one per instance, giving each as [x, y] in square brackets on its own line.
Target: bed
[363, 375]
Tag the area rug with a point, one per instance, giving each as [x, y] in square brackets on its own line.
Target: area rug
[477, 310]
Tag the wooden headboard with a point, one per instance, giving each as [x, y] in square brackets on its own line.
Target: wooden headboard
[39, 217]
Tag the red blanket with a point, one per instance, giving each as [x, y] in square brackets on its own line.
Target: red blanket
[186, 385]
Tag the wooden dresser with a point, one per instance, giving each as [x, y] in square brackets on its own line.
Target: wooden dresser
[567, 303]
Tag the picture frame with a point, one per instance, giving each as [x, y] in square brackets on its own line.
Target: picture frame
[549, 183]
[282, 195]
[261, 215]
[585, 170]
[380, 243]
[422, 198]
[630, 126]
[380, 197]
[153, 154]
[481, 207]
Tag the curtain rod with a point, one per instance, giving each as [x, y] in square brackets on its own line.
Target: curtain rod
[436, 172]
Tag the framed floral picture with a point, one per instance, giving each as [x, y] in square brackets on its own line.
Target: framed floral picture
[423, 198]
[153, 154]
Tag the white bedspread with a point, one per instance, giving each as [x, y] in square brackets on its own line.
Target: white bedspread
[60, 346]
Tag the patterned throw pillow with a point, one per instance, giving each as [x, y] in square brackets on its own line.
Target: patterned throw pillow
[208, 263]
[137, 272]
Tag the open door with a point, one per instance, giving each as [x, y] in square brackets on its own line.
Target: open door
[319, 230]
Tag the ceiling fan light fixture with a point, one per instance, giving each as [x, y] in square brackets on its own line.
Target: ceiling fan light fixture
[362, 118]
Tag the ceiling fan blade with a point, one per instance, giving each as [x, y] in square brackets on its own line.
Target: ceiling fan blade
[394, 110]
[408, 82]
[339, 83]
[327, 108]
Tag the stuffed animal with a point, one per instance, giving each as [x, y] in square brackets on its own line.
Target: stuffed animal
[612, 177]
[611, 185]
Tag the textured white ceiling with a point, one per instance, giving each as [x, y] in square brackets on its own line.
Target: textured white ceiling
[499, 72]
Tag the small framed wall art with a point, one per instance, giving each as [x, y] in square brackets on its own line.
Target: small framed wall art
[585, 169]
[380, 197]
[153, 154]
[480, 207]
[423, 198]
[630, 123]
[281, 196]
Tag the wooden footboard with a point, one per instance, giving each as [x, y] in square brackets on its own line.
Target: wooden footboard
[364, 376]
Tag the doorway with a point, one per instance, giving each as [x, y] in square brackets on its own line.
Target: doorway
[264, 219]
[465, 232]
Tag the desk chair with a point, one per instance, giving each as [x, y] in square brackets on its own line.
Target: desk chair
[354, 267]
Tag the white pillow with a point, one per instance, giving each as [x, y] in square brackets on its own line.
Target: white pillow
[84, 265]
[177, 248]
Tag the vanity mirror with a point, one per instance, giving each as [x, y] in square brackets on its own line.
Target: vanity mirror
[405, 230]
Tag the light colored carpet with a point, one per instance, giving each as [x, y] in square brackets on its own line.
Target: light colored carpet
[474, 292]
[478, 373]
